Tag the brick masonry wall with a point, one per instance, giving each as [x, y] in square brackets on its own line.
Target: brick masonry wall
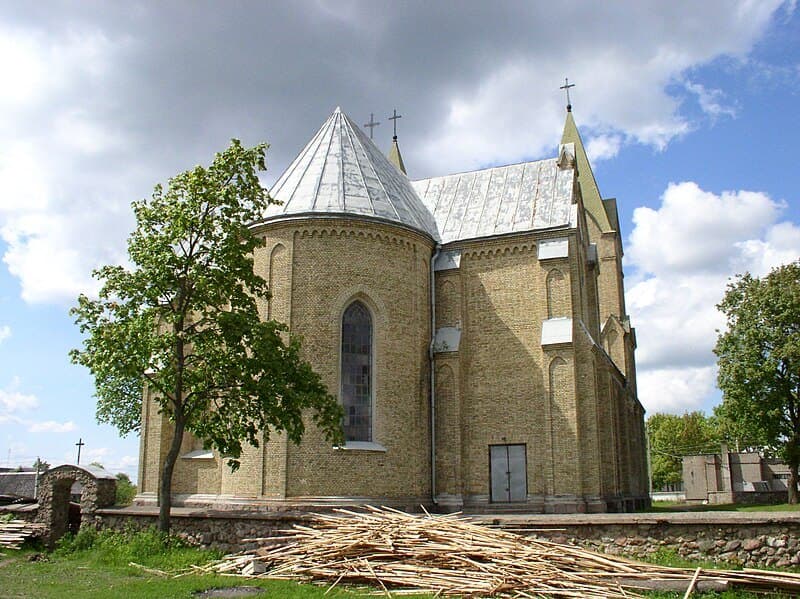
[503, 370]
[501, 387]
[334, 263]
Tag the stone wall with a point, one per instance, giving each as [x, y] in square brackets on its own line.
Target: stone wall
[99, 491]
[224, 531]
[738, 539]
[755, 542]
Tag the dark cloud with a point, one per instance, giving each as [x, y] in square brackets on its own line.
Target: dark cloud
[131, 93]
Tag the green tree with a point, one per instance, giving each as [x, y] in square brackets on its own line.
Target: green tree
[182, 321]
[759, 362]
[672, 437]
[41, 465]
[126, 490]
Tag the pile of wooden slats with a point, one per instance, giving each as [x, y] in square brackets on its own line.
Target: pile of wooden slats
[15, 532]
[401, 553]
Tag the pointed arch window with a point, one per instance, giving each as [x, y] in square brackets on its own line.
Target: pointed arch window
[356, 372]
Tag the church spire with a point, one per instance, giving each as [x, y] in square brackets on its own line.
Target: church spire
[592, 200]
[394, 151]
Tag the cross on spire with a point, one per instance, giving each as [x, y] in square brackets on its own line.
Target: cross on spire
[80, 444]
[566, 87]
[394, 118]
[372, 124]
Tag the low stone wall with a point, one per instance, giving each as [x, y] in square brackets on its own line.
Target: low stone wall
[751, 540]
[754, 541]
[223, 530]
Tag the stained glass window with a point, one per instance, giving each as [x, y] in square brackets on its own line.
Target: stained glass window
[357, 373]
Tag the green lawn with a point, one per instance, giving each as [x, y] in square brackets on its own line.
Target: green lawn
[96, 566]
[673, 506]
[86, 576]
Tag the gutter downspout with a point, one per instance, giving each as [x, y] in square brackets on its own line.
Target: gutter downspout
[433, 374]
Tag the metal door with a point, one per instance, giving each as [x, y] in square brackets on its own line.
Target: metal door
[508, 473]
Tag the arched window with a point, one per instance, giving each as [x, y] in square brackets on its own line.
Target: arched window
[357, 372]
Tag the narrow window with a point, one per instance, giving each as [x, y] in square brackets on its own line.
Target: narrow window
[357, 373]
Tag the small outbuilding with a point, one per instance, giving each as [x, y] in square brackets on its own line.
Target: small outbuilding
[734, 477]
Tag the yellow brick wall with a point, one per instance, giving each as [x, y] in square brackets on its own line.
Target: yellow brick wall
[583, 428]
[386, 268]
[503, 391]
[448, 426]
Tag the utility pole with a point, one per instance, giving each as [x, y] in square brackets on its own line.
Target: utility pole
[36, 478]
[649, 464]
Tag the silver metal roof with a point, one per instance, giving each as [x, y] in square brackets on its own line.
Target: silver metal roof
[505, 199]
[340, 171]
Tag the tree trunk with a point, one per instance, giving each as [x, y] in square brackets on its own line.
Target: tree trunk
[792, 482]
[165, 491]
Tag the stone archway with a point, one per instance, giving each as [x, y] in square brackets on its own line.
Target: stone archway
[99, 491]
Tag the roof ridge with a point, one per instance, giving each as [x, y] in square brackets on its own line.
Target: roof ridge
[486, 168]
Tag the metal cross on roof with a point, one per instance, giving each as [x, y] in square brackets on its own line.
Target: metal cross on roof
[394, 118]
[372, 124]
[80, 444]
[566, 87]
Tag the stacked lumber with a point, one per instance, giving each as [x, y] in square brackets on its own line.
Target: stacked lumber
[15, 532]
[401, 553]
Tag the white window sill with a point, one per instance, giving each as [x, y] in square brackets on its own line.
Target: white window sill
[361, 446]
[199, 454]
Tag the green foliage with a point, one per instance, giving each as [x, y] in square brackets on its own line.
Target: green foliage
[183, 319]
[82, 574]
[671, 437]
[41, 464]
[126, 490]
[150, 548]
[759, 362]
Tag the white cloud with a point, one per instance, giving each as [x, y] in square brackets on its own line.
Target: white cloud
[5, 332]
[711, 101]
[683, 254]
[51, 426]
[696, 231]
[676, 390]
[96, 112]
[603, 147]
[56, 227]
[12, 400]
[511, 109]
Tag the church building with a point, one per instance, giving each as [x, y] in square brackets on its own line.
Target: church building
[473, 327]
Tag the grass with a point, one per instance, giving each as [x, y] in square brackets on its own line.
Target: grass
[674, 506]
[95, 565]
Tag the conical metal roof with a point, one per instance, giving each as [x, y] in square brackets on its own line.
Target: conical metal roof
[340, 171]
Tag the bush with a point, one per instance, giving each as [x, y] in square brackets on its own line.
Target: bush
[146, 547]
[126, 490]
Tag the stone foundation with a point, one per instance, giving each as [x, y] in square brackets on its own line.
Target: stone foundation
[751, 540]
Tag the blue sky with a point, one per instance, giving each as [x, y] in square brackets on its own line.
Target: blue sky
[690, 111]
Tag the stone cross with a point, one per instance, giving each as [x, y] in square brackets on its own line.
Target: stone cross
[566, 87]
[394, 118]
[372, 124]
[80, 444]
